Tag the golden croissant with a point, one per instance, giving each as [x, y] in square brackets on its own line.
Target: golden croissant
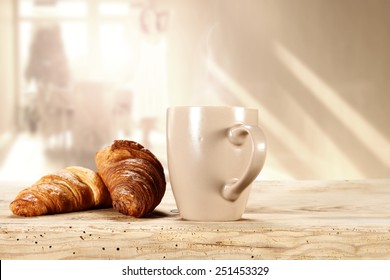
[133, 175]
[70, 189]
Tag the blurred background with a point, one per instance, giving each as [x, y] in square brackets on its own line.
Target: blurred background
[76, 74]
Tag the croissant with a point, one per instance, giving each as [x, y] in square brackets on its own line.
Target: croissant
[133, 175]
[70, 189]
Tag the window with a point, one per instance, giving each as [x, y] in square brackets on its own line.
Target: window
[98, 37]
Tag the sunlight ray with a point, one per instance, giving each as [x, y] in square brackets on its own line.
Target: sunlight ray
[372, 139]
[290, 139]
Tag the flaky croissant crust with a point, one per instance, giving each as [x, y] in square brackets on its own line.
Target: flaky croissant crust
[133, 175]
[71, 189]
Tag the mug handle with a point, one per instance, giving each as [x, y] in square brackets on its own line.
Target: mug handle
[237, 135]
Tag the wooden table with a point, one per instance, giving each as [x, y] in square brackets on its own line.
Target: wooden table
[283, 220]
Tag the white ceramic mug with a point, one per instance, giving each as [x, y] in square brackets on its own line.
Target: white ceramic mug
[214, 154]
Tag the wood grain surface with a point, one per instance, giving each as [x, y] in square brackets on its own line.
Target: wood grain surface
[283, 220]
